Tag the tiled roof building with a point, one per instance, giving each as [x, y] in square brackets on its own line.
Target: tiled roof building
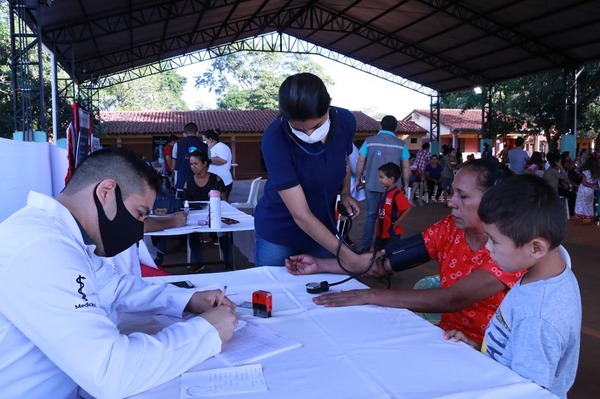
[457, 119]
[144, 131]
[229, 121]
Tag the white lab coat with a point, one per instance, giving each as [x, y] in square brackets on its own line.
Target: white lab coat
[55, 330]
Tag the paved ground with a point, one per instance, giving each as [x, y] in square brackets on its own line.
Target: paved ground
[582, 242]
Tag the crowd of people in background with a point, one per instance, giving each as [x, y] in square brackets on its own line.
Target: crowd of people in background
[575, 179]
[498, 227]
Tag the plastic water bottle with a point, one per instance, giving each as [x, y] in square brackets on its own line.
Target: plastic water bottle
[214, 209]
[186, 207]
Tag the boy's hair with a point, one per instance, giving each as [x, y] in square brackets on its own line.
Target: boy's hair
[130, 172]
[524, 207]
[390, 169]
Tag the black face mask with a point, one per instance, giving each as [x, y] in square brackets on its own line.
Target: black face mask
[120, 233]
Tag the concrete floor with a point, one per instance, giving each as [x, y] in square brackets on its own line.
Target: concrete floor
[582, 242]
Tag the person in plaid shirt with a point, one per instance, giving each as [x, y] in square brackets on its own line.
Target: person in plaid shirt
[422, 158]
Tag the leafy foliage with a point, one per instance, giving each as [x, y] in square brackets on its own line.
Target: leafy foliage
[6, 110]
[154, 92]
[251, 80]
[537, 102]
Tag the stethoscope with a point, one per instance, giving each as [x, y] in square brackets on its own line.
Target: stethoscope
[323, 286]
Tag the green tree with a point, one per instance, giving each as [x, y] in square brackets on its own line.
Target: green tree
[6, 110]
[251, 80]
[537, 102]
[154, 92]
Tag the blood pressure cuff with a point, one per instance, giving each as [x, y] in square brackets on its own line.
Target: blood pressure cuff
[406, 254]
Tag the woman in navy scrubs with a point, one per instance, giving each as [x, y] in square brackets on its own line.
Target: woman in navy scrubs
[305, 151]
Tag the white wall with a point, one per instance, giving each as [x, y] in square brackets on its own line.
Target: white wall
[40, 167]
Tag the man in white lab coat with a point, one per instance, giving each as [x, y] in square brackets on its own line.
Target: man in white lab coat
[58, 296]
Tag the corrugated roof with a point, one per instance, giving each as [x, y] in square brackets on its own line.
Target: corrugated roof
[444, 45]
[229, 121]
[457, 119]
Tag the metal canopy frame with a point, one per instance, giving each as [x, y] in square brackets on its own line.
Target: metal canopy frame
[445, 45]
[271, 42]
[27, 81]
[431, 46]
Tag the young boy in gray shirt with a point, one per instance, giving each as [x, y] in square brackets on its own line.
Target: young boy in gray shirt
[536, 330]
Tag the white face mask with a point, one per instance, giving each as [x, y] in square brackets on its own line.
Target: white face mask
[317, 135]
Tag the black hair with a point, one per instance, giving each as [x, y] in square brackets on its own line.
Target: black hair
[127, 168]
[552, 158]
[190, 128]
[425, 146]
[524, 207]
[389, 123]
[303, 96]
[212, 134]
[202, 156]
[536, 159]
[489, 171]
[173, 138]
[519, 141]
[448, 150]
[390, 169]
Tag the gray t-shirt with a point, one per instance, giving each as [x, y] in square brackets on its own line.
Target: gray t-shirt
[536, 331]
[379, 149]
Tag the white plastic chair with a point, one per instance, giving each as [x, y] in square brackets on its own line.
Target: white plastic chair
[252, 197]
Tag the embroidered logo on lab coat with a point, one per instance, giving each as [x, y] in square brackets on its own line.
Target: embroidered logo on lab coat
[79, 280]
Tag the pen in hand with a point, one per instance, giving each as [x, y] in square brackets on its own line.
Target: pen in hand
[220, 301]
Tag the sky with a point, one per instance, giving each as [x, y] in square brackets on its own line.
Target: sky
[353, 89]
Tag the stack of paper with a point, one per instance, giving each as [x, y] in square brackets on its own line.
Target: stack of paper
[254, 342]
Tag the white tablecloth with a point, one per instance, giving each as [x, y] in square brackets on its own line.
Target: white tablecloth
[246, 222]
[243, 232]
[354, 352]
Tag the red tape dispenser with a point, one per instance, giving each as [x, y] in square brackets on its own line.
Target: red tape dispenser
[262, 303]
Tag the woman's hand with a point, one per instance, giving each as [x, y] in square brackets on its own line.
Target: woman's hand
[345, 298]
[303, 264]
[351, 205]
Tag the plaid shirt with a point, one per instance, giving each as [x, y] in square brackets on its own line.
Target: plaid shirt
[421, 160]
